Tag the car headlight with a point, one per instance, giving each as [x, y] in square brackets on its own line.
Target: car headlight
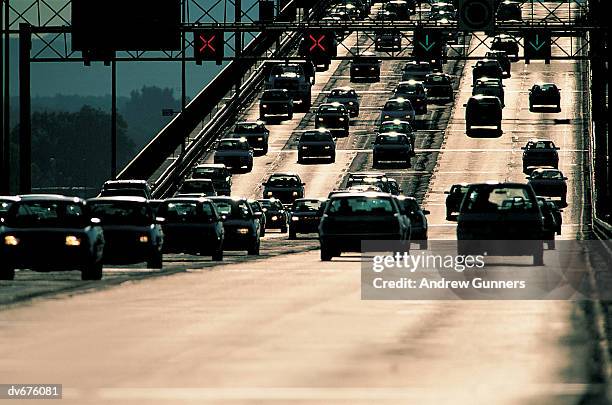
[269, 193]
[242, 231]
[327, 147]
[304, 147]
[320, 118]
[10, 240]
[72, 240]
[372, 68]
[295, 218]
[341, 118]
[260, 139]
[264, 106]
[274, 218]
[351, 103]
[295, 193]
[143, 239]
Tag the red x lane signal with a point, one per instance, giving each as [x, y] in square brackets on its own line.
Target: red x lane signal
[208, 45]
[317, 43]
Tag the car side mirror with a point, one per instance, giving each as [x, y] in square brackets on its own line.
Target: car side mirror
[264, 184]
[303, 184]
[523, 148]
[564, 178]
[447, 192]
[465, 105]
[426, 212]
[557, 148]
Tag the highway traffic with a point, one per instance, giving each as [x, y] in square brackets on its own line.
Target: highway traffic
[249, 288]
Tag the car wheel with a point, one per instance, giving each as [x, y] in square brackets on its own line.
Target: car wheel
[292, 234]
[332, 159]
[530, 107]
[217, 256]
[423, 244]
[249, 167]
[7, 273]
[265, 150]
[538, 256]
[156, 261]
[551, 243]
[300, 159]
[408, 164]
[375, 163]
[254, 249]
[290, 116]
[558, 107]
[326, 254]
[283, 229]
[92, 272]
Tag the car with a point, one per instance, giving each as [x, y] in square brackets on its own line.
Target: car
[509, 11]
[305, 216]
[5, 204]
[555, 211]
[399, 8]
[416, 70]
[504, 61]
[388, 40]
[453, 199]
[540, 152]
[255, 133]
[235, 154]
[365, 67]
[276, 103]
[286, 187]
[241, 224]
[358, 188]
[439, 85]
[392, 147]
[506, 43]
[51, 233]
[128, 188]
[275, 213]
[415, 92]
[218, 173]
[192, 225]
[377, 179]
[291, 77]
[257, 209]
[334, 117]
[346, 96]
[551, 226]
[131, 232]
[544, 95]
[500, 219]
[486, 86]
[318, 143]
[483, 112]
[398, 108]
[400, 126]
[410, 207]
[196, 188]
[549, 183]
[486, 68]
[350, 218]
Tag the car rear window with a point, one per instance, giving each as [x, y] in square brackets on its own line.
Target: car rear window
[360, 205]
[121, 213]
[186, 211]
[47, 214]
[315, 137]
[487, 199]
[306, 206]
[197, 187]
[232, 209]
[391, 140]
[230, 144]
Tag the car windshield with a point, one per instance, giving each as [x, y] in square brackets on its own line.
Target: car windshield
[360, 205]
[391, 140]
[247, 128]
[437, 79]
[283, 181]
[187, 211]
[47, 214]
[342, 93]
[331, 109]
[279, 70]
[207, 172]
[121, 213]
[231, 144]
[408, 89]
[274, 95]
[486, 198]
[232, 209]
[546, 87]
[396, 106]
[119, 192]
[403, 128]
[190, 187]
[541, 145]
[255, 207]
[315, 137]
[306, 206]
[547, 174]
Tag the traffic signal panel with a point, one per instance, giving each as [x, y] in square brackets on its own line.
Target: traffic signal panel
[427, 45]
[208, 45]
[319, 44]
[537, 45]
[476, 15]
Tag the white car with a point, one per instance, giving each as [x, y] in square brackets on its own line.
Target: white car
[398, 108]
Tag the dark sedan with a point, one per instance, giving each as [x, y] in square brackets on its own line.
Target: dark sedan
[305, 216]
[192, 225]
[454, 198]
[418, 220]
[317, 143]
[131, 232]
[545, 96]
[256, 135]
[51, 233]
[287, 187]
[540, 152]
[275, 213]
[392, 147]
[242, 225]
[549, 183]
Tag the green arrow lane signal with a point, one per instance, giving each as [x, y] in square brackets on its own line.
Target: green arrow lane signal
[538, 45]
[427, 46]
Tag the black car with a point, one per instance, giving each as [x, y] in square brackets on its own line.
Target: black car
[346, 96]
[410, 207]
[486, 86]
[334, 117]
[544, 96]
[192, 225]
[486, 68]
[350, 218]
[257, 209]
[241, 224]
[196, 188]
[439, 85]
[501, 219]
[286, 187]
[453, 200]
[131, 232]
[377, 179]
[305, 216]
[506, 43]
[554, 210]
[509, 11]
[5, 204]
[317, 143]
[400, 126]
[127, 188]
[399, 8]
[504, 61]
[540, 152]
[276, 103]
[483, 112]
[416, 70]
[392, 147]
[218, 173]
[255, 133]
[235, 154]
[275, 213]
[549, 183]
[415, 92]
[551, 221]
[51, 233]
[365, 67]
[388, 40]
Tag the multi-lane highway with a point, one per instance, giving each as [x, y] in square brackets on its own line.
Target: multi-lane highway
[288, 328]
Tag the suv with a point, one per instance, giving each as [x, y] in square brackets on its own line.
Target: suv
[504, 61]
[255, 133]
[291, 77]
[545, 95]
[416, 70]
[334, 117]
[413, 91]
[540, 152]
[483, 111]
[486, 86]
[439, 85]
[287, 187]
[392, 147]
[236, 154]
[276, 103]
[492, 214]
[366, 66]
[486, 68]
[316, 144]
[128, 188]
[506, 43]
[388, 40]
[346, 96]
[218, 173]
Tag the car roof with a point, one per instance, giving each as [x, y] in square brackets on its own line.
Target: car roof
[279, 174]
[212, 165]
[187, 199]
[49, 197]
[393, 134]
[12, 198]
[372, 194]
[119, 199]
[197, 181]
[226, 198]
